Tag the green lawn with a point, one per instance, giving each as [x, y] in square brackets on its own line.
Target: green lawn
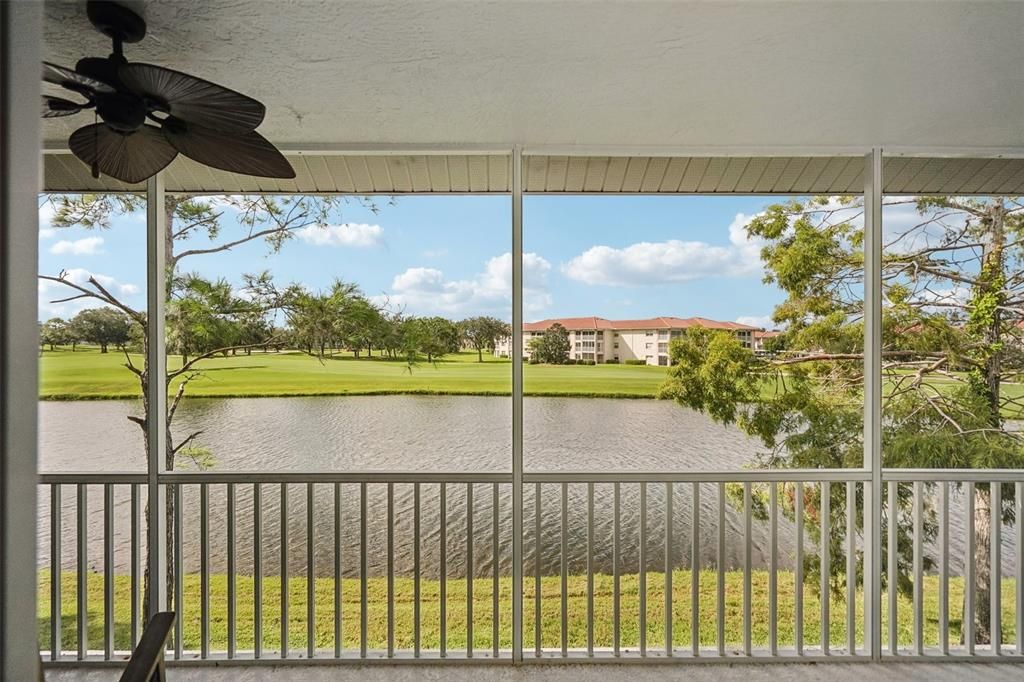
[482, 594]
[88, 374]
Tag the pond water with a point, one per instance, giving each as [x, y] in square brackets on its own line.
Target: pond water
[430, 433]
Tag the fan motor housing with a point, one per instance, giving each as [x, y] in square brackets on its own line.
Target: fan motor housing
[123, 112]
[116, 21]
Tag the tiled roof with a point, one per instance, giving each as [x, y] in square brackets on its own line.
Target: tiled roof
[600, 323]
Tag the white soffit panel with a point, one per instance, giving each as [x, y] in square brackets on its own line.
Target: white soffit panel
[491, 173]
[324, 174]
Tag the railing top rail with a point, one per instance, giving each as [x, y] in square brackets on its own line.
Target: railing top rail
[737, 476]
[953, 475]
[336, 477]
[91, 477]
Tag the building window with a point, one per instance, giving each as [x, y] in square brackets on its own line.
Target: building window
[647, 346]
[616, 344]
[663, 361]
[648, 333]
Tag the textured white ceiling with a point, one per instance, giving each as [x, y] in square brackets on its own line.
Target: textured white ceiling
[830, 74]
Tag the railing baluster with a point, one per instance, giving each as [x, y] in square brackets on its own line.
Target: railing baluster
[416, 569]
[720, 578]
[310, 575]
[748, 542]
[232, 612]
[338, 641]
[444, 570]
[773, 568]
[669, 492]
[284, 570]
[616, 601]
[590, 569]
[257, 570]
[82, 511]
[825, 558]
[136, 584]
[364, 569]
[495, 559]
[892, 562]
[565, 569]
[179, 578]
[204, 569]
[968, 620]
[798, 578]
[996, 568]
[391, 569]
[469, 570]
[55, 572]
[851, 568]
[642, 592]
[944, 568]
[108, 571]
[918, 571]
[695, 574]
[538, 544]
[1018, 499]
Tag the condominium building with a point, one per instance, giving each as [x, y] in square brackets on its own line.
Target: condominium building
[600, 340]
[762, 337]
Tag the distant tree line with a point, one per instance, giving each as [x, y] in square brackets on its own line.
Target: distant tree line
[207, 316]
[103, 327]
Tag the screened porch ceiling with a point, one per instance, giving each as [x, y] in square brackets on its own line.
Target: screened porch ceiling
[482, 173]
[402, 96]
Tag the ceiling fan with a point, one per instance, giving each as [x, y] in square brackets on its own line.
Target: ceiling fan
[146, 115]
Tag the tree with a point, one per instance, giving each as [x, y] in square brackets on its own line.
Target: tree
[553, 347]
[54, 332]
[197, 223]
[483, 333]
[432, 336]
[952, 332]
[103, 327]
[200, 316]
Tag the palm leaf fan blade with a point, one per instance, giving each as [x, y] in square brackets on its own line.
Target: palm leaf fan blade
[128, 157]
[192, 99]
[54, 107]
[72, 80]
[248, 153]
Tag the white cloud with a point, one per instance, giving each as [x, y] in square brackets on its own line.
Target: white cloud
[46, 212]
[426, 291]
[346, 234]
[86, 246]
[435, 253]
[647, 263]
[762, 321]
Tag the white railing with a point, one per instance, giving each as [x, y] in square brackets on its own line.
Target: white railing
[393, 566]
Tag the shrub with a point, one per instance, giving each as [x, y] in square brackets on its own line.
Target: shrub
[635, 362]
[611, 361]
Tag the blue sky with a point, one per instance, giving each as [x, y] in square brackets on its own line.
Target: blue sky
[616, 257]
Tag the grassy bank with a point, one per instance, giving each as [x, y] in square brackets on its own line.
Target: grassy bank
[482, 600]
[88, 374]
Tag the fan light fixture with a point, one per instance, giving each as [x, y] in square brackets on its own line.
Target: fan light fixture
[147, 115]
